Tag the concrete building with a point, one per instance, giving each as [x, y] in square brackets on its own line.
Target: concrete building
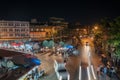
[54, 21]
[36, 31]
[41, 31]
[14, 29]
[11, 30]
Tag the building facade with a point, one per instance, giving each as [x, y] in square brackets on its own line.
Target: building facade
[14, 29]
[47, 30]
[54, 21]
[42, 31]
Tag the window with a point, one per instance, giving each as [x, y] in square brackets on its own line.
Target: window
[32, 29]
[10, 34]
[22, 24]
[5, 24]
[23, 35]
[17, 24]
[17, 35]
[27, 24]
[4, 30]
[37, 29]
[27, 34]
[10, 30]
[10, 24]
[42, 29]
[27, 29]
[17, 30]
[22, 29]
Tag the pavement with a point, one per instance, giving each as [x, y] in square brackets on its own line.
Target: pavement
[96, 60]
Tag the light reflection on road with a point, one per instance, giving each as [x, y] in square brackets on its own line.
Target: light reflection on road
[84, 55]
[87, 67]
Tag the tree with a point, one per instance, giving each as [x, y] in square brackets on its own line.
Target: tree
[98, 37]
[45, 43]
[61, 43]
[51, 44]
[112, 30]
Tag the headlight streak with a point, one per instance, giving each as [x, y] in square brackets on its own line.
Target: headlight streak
[90, 67]
[93, 72]
[88, 72]
[80, 72]
[68, 76]
[60, 78]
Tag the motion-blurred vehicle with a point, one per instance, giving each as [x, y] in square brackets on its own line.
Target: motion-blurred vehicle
[61, 72]
[87, 44]
[41, 73]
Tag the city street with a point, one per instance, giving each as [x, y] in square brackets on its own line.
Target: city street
[72, 65]
[48, 61]
[86, 58]
[80, 67]
[60, 40]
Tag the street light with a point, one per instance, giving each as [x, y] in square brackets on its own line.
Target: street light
[95, 27]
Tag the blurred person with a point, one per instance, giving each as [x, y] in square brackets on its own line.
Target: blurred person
[112, 70]
[98, 72]
[105, 72]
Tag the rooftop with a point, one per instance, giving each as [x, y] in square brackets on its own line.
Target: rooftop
[18, 59]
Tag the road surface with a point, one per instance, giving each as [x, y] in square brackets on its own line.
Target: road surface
[86, 58]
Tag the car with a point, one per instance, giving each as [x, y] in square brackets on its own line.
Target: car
[41, 73]
[61, 71]
[87, 44]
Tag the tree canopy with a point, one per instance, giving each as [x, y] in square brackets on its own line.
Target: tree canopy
[51, 44]
[112, 29]
[45, 43]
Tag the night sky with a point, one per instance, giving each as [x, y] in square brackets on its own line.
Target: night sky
[83, 11]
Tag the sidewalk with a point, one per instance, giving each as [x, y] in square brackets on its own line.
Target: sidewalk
[96, 60]
[117, 74]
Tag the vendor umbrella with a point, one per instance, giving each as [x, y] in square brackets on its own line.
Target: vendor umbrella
[35, 61]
